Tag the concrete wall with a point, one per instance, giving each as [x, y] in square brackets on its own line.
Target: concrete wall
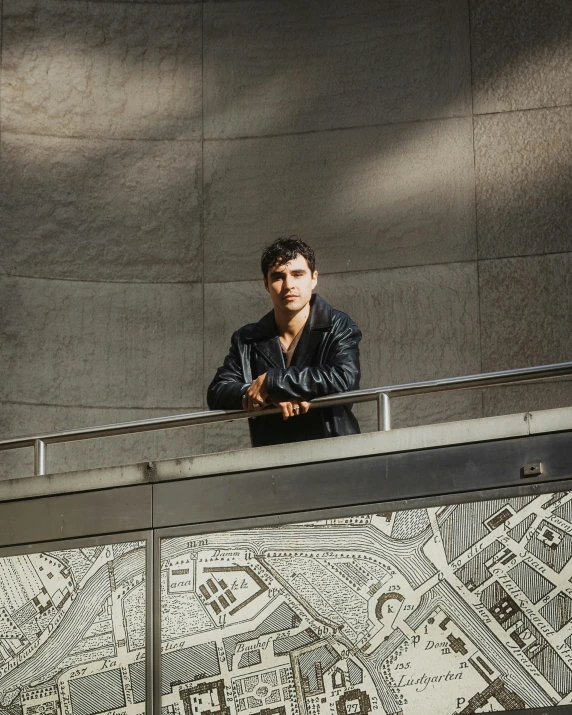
[150, 149]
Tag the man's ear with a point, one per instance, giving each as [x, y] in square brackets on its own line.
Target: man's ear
[265, 280]
[314, 279]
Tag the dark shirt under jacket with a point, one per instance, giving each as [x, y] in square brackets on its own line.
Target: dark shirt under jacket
[325, 361]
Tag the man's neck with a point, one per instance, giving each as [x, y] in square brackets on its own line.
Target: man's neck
[289, 325]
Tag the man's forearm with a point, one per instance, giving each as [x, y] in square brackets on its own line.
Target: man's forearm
[311, 382]
[226, 395]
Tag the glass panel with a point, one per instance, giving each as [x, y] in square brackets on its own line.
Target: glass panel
[456, 609]
[72, 631]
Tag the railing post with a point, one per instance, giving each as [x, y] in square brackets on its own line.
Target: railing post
[383, 412]
[39, 457]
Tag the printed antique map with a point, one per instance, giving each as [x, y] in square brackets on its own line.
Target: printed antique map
[72, 631]
[452, 610]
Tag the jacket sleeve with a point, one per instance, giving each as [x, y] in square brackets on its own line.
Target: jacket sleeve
[228, 386]
[339, 373]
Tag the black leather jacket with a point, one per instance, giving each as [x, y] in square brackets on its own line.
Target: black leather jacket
[326, 360]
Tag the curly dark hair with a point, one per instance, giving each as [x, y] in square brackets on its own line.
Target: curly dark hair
[285, 249]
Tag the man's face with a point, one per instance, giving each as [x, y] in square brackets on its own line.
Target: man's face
[290, 284]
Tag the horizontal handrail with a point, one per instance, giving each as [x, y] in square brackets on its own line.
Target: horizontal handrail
[381, 395]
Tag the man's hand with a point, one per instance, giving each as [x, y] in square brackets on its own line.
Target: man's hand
[292, 408]
[256, 397]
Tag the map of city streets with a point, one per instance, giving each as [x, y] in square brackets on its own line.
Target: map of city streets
[452, 610]
[72, 631]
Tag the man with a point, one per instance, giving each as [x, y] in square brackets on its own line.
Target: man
[300, 350]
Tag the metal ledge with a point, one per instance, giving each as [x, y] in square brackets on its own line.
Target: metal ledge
[265, 458]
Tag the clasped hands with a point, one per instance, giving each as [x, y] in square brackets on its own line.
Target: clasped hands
[256, 398]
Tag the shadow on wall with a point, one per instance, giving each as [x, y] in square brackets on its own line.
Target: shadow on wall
[275, 68]
[107, 70]
[91, 78]
[521, 54]
[94, 186]
[84, 85]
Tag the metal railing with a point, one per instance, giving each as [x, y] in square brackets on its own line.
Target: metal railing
[381, 395]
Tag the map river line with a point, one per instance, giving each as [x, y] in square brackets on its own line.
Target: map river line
[72, 631]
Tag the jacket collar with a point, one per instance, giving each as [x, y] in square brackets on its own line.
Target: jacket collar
[320, 314]
[265, 334]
